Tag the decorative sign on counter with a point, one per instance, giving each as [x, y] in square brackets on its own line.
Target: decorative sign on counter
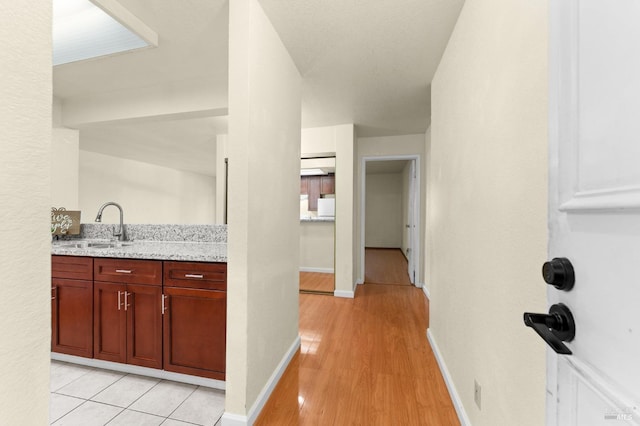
[65, 222]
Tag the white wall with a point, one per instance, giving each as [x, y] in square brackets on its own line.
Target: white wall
[56, 114]
[318, 140]
[389, 146]
[263, 247]
[488, 207]
[146, 192]
[25, 194]
[428, 239]
[317, 246]
[65, 168]
[341, 140]
[383, 221]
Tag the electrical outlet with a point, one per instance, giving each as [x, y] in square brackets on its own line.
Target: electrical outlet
[477, 394]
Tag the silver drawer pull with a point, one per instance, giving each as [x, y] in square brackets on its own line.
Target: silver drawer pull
[200, 276]
[123, 271]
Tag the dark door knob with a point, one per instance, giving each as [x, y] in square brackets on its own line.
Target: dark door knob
[556, 327]
[559, 273]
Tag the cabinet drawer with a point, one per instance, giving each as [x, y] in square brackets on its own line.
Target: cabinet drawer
[207, 276]
[72, 267]
[128, 271]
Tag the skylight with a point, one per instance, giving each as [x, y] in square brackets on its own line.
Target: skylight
[82, 30]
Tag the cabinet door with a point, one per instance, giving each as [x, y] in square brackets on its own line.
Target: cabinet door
[109, 322]
[314, 192]
[195, 323]
[144, 325]
[327, 184]
[72, 317]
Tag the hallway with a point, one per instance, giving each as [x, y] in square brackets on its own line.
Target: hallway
[385, 266]
[363, 361]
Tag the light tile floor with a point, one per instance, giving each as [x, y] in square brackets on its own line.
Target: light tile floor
[87, 396]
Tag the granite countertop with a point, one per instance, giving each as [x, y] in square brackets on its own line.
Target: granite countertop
[159, 250]
[317, 219]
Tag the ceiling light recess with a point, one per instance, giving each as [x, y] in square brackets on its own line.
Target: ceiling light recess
[84, 29]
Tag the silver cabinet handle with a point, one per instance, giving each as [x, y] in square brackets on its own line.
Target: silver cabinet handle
[119, 302]
[164, 307]
[54, 292]
[199, 276]
[123, 271]
[126, 303]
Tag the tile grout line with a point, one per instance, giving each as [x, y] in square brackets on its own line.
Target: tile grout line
[65, 415]
[74, 380]
[183, 401]
[127, 408]
[143, 394]
[102, 390]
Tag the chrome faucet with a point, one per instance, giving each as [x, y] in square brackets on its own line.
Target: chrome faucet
[120, 234]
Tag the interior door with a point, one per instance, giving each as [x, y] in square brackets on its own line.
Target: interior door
[411, 221]
[594, 202]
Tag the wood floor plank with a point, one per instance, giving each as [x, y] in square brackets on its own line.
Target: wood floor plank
[385, 266]
[362, 361]
[317, 282]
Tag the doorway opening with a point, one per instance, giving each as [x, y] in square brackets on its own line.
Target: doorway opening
[390, 220]
[317, 223]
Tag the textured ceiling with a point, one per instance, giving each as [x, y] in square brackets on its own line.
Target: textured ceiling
[193, 44]
[367, 62]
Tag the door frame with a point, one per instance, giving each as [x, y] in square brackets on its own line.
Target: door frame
[416, 213]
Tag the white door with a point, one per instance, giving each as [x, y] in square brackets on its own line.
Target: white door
[411, 223]
[594, 208]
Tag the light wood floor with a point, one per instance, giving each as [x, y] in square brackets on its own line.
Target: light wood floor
[363, 361]
[385, 266]
[317, 282]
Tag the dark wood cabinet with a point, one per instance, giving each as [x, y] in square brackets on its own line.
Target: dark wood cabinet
[327, 184]
[314, 192]
[316, 186]
[195, 318]
[156, 314]
[144, 325]
[128, 311]
[110, 322]
[72, 305]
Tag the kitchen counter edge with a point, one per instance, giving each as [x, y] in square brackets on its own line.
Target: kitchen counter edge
[152, 250]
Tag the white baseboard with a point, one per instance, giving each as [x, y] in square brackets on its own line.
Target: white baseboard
[453, 393]
[141, 371]
[321, 270]
[426, 291]
[230, 419]
[344, 293]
